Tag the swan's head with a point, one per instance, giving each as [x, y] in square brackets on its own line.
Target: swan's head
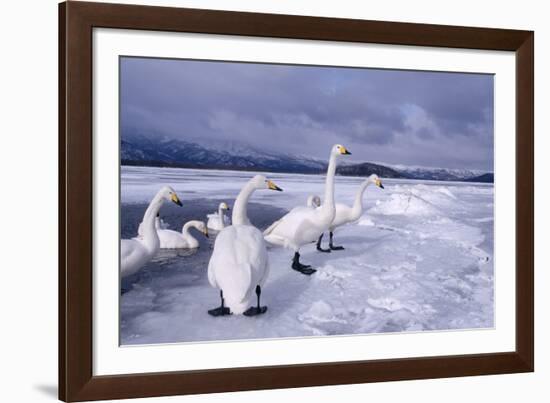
[169, 194]
[339, 149]
[261, 182]
[376, 180]
[201, 226]
[314, 201]
[224, 206]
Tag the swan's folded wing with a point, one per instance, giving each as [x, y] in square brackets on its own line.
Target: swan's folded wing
[270, 229]
[289, 218]
[127, 248]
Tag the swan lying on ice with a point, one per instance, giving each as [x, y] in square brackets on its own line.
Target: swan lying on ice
[345, 214]
[134, 253]
[218, 221]
[303, 225]
[239, 265]
[181, 240]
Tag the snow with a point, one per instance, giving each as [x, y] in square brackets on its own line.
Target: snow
[419, 259]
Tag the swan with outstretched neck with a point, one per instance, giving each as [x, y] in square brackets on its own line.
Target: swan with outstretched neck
[239, 263]
[218, 221]
[136, 252]
[303, 225]
[181, 240]
[345, 214]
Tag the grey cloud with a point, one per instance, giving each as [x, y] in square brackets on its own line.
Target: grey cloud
[422, 118]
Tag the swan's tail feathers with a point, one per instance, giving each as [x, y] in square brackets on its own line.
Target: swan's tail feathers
[270, 229]
[236, 290]
[236, 307]
[276, 240]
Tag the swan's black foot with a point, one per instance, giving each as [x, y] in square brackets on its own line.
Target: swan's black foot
[302, 268]
[319, 245]
[254, 310]
[219, 311]
[331, 246]
[308, 271]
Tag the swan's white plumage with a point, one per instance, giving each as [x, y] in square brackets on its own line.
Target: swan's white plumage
[133, 255]
[239, 260]
[181, 240]
[159, 224]
[218, 220]
[345, 214]
[304, 224]
[136, 252]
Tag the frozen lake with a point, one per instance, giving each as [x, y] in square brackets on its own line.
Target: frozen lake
[420, 259]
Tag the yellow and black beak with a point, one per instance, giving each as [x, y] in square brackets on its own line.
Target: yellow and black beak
[273, 186]
[344, 151]
[378, 183]
[206, 233]
[175, 199]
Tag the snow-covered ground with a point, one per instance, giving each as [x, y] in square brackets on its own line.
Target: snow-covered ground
[420, 258]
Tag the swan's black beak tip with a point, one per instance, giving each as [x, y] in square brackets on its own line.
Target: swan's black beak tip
[381, 186]
[206, 235]
[178, 202]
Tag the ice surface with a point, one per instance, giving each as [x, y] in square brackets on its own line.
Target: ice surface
[420, 258]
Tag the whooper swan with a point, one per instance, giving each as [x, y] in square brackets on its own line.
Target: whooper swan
[136, 252]
[239, 263]
[345, 214]
[303, 225]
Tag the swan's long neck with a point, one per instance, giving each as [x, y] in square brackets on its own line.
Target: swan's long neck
[185, 230]
[240, 216]
[357, 208]
[150, 236]
[328, 201]
[220, 217]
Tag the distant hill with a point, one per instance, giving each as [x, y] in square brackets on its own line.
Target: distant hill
[485, 178]
[176, 153]
[141, 151]
[368, 168]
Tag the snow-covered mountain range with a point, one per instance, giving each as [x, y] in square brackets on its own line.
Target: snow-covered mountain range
[141, 150]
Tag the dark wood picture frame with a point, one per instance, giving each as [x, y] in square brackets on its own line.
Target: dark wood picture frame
[76, 23]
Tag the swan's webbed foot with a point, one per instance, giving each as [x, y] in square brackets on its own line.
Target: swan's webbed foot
[256, 310]
[302, 268]
[319, 245]
[221, 310]
[332, 247]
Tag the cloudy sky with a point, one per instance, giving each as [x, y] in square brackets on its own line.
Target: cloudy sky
[392, 116]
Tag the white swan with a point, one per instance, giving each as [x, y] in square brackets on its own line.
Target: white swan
[345, 214]
[313, 201]
[134, 253]
[303, 225]
[181, 240]
[239, 266]
[218, 221]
